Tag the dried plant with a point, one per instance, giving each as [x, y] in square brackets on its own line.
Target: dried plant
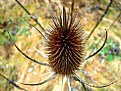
[65, 47]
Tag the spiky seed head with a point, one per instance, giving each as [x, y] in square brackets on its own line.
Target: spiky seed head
[65, 44]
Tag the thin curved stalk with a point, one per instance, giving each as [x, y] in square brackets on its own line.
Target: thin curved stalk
[84, 86]
[99, 48]
[119, 15]
[36, 29]
[33, 60]
[13, 83]
[31, 16]
[76, 78]
[35, 84]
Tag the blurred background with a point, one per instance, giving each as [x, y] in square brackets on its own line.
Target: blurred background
[103, 68]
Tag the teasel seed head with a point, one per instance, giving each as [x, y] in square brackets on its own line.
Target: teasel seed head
[65, 44]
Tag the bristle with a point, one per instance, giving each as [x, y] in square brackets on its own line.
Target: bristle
[65, 44]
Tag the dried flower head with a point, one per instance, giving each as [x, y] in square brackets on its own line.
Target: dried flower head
[65, 44]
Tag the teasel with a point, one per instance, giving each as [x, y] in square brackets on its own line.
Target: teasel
[65, 47]
[65, 44]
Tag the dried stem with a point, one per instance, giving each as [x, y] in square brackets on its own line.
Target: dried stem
[31, 16]
[111, 1]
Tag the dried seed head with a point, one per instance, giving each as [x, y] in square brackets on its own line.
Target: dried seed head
[65, 44]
